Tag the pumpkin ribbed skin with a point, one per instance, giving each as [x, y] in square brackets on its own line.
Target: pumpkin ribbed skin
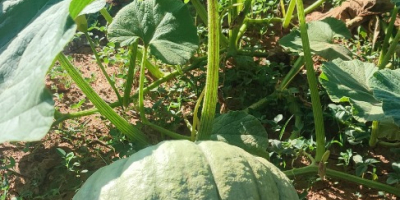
[186, 170]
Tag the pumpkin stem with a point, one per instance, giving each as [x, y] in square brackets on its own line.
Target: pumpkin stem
[211, 89]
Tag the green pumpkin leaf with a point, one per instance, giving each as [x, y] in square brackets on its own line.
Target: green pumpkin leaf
[32, 34]
[243, 130]
[321, 35]
[389, 130]
[81, 7]
[347, 81]
[394, 178]
[396, 2]
[165, 26]
[94, 7]
[78, 9]
[396, 167]
[77, 6]
[386, 87]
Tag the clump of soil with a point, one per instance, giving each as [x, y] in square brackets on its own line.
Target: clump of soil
[354, 12]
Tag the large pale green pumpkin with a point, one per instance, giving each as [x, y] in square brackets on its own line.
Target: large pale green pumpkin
[187, 170]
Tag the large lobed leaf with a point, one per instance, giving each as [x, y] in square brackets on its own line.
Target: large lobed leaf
[165, 26]
[321, 35]
[348, 81]
[32, 34]
[386, 87]
[243, 130]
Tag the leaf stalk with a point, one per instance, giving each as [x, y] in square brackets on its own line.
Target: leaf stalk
[312, 169]
[103, 107]
[312, 82]
[100, 64]
[131, 72]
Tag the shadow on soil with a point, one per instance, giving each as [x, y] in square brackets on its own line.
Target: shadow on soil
[46, 174]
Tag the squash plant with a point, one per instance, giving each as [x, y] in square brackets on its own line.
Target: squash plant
[164, 28]
[34, 33]
[179, 169]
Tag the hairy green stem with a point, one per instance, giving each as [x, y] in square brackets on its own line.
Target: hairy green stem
[131, 73]
[374, 134]
[106, 15]
[313, 169]
[286, 18]
[313, 6]
[294, 108]
[292, 173]
[64, 116]
[141, 86]
[233, 27]
[312, 82]
[362, 181]
[388, 35]
[60, 117]
[104, 109]
[241, 31]
[289, 12]
[141, 103]
[100, 64]
[236, 19]
[168, 132]
[233, 12]
[309, 9]
[388, 144]
[239, 26]
[390, 51]
[257, 104]
[265, 20]
[155, 71]
[196, 120]
[202, 12]
[292, 73]
[211, 88]
[282, 5]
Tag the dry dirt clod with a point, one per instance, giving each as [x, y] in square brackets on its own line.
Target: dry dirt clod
[354, 12]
